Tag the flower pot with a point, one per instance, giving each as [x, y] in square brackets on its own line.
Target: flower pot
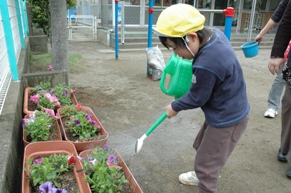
[80, 146]
[26, 100]
[58, 137]
[127, 173]
[41, 149]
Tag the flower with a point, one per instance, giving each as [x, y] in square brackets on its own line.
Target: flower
[46, 172]
[50, 67]
[38, 126]
[51, 97]
[34, 98]
[71, 160]
[112, 159]
[80, 123]
[102, 170]
[50, 112]
[37, 160]
[46, 187]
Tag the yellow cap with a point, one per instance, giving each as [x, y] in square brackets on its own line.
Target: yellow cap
[178, 20]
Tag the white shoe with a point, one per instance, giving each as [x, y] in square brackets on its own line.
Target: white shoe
[189, 178]
[270, 113]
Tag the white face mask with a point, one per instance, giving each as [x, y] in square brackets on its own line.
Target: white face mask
[186, 40]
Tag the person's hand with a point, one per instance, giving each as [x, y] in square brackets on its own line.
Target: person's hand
[275, 65]
[170, 111]
[259, 38]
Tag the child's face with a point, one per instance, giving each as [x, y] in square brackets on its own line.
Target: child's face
[182, 51]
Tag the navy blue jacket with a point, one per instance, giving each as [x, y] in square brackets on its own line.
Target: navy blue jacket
[218, 84]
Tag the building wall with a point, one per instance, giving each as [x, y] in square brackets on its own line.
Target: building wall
[136, 12]
[13, 55]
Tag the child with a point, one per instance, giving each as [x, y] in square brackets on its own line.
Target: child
[218, 88]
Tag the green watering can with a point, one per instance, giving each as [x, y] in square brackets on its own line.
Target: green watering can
[180, 72]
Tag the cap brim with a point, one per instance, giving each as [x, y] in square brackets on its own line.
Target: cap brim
[162, 34]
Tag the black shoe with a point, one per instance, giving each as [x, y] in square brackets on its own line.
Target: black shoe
[288, 172]
[282, 158]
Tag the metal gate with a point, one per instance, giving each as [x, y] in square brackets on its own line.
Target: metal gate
[82, 27]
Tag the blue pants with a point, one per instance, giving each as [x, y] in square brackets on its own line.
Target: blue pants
[276, 92]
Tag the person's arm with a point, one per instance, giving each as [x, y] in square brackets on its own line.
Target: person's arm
[283, 34]
[275, 18]
[271, 23]
[281, 41]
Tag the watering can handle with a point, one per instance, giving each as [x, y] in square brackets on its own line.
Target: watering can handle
[157, 123]
[162, 83]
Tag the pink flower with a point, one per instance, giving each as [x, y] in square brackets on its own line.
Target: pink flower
[37, 160]
[34, 98]
[58, 116]
[79, 107]
[73, 91]
[50, 67]
[52, 98]
[112, 165]
[50, 112]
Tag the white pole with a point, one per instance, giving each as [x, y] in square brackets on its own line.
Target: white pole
[122, 22]
[252, 20]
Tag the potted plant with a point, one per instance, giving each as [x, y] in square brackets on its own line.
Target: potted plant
[40, 126]
[106, 171]
[52, 167]
[46, 96]
[81, 127]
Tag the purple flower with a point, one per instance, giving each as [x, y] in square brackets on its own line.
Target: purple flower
[88, 117]
[37, 160]
[106, 148]
[65, 93]
[112, 159]
[77, 122]
[46, 187]
[58, 190]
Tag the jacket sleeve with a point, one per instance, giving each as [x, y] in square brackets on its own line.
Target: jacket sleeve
[276, 17]
[283, 34]
[199, 93]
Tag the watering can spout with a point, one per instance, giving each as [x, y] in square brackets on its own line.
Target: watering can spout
[179, 71]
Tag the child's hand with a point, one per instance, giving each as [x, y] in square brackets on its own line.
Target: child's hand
[170, 111]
